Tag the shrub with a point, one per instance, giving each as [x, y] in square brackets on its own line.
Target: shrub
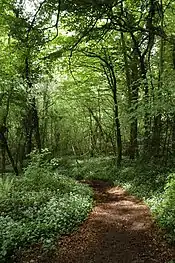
[6, 185]
[40, 206]
[165, 210]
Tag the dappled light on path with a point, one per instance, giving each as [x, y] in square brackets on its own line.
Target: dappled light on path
[119, 229]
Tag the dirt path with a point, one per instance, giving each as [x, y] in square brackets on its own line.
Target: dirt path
[119, 230]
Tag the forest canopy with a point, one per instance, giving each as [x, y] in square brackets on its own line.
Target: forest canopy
[99, 72]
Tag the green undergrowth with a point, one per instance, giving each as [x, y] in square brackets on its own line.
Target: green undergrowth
[39, 206]
[152, 183]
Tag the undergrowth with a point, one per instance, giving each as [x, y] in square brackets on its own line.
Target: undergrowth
[46, 202]
[39, 206]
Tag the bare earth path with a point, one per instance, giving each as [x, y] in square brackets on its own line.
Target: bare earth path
[120, 229]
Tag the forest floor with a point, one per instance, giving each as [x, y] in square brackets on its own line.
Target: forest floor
[120, 229]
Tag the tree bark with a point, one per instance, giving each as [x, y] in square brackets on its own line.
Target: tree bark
[156, 138]
[6, 147]
[32, 121]
[118, 130]
[133, 109]
[173, 134]
[36, 124]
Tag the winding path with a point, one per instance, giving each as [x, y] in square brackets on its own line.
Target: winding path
[120, 229]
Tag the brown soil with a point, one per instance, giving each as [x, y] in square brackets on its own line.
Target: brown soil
[120, 229]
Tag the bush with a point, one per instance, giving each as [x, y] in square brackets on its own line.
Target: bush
[40, 206]
[6, 184]
[165, 210]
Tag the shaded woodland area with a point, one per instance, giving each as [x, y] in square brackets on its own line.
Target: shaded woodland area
[86, 80]
[100, 73]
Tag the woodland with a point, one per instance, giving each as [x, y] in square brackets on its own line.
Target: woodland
[87, 94]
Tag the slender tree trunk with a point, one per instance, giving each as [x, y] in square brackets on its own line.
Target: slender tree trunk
[44, 119]
[11, 157]
[91, 144]
[132, 95]
[4, 124]
[157, 119]
[3, 156]
[173, 134]
[165, 145]
[32, 124]
[143, 72]
[156, 135]
[132, 98]
[29, 131]
[97, 120]
[20, 150]
[36, 124]
[117, 124]
[5, 143]
[134, 102]
[113, 83]
[100, 127]
[173, 118]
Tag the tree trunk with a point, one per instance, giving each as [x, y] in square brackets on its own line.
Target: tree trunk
[36, 124]
[173, 134]
[156, 135]
[173, 118]
[132, 95]
[91, 144]
[3, 156]
[32, 127]
[29, 131]
[133, 109]
[44, 119]
[4, 129]
[157, 119]
[132, 98]
[32, 122]
[6, 147]
[143, 72]
[117, 124]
